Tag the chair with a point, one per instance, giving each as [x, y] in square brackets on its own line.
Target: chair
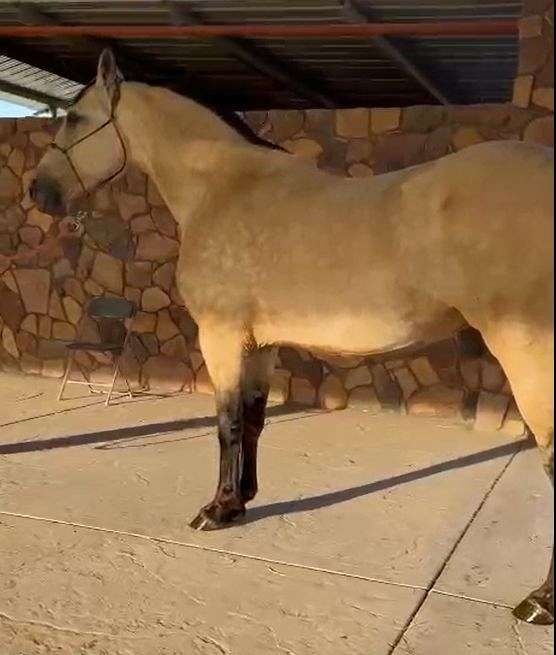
[107, 313]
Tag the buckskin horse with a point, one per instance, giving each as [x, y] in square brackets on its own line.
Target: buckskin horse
[275, 251]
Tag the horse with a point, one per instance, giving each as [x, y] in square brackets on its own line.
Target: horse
[275, 251]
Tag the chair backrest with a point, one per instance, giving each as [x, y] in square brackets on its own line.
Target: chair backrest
[106, 307]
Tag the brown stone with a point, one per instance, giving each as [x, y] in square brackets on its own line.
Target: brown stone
[63, 331]
[443, 356]
[424, 372]
[164, 276]
[9, 343]
[30, 235]
[302, 391]
[45, 326]
[544, 97]
[471, 372]
[16, 161]
[92, 288]
[332, 394]
[523, 87]
[9, 280]
[26, 342]
[407, 382]
[11, 218]
[303, 148]
[385, 120]
[466, 136]
[492, 375]
[73, 288]
[341, 361]
[136, 181]
[62, 269]
[36, 217]
[387, 390]
[530, 26]
[436, 401]
[30, 365]
[285, 123]
[143, 223]
[360, 170]
[365, 399]
[352, 123]
[491, 410]
[133, 295]
[144, 322]
[153, 196]
[165, 328]
[203, 383]
[541, 131]
[9, 187]
[196, 359]
[85, 262]
[53, 368]
[175, 347]
[255, 119]
[155, 247]
[422, 118]
[130, 205]
[533, 54]
[138, 274]
[108, 272]
[358, 150]
[29, 324]
[358, 377]
[73, 309]
[34, 286]
[150, 342]
[398, 151]
[164, 221]
[154, 299]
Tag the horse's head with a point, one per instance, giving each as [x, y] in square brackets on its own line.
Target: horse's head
[88, 150]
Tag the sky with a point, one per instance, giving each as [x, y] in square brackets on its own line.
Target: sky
[11, 110]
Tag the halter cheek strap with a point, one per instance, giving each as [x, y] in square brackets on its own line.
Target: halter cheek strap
[67, 155]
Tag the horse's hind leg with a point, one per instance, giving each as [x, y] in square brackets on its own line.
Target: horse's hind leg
[527, 356]
[222, 348]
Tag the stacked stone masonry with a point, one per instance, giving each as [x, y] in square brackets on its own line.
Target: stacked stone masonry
[128, 246]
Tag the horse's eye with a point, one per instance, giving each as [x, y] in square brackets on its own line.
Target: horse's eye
[72, 119]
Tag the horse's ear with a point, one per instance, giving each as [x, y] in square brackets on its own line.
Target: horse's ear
[109, 76]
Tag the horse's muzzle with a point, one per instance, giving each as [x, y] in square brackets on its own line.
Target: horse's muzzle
[47, 195]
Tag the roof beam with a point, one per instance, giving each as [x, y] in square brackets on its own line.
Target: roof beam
[32, 94]
[355, 13]
[254, 58]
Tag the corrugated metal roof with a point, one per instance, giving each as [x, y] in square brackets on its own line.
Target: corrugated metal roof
[349, 71]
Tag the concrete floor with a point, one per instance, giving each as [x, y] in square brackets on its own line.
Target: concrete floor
[370, 535]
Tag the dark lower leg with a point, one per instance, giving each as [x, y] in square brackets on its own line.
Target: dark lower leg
[253, 422]
[228, 503]
[538, 607]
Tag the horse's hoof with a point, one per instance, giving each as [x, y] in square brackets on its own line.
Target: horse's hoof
[535, 610]
[216, 516]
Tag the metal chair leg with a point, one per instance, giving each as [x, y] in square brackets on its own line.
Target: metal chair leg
[66, 375]
[116, 371]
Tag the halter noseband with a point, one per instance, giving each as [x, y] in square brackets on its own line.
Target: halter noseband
[65, 151]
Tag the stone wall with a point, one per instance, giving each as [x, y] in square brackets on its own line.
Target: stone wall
[128, 247]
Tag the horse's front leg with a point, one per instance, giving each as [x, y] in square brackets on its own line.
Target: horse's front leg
[222, 350]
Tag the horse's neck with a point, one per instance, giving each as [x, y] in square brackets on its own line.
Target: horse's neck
[178, 143]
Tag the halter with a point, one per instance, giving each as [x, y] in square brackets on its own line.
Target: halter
[65, 151]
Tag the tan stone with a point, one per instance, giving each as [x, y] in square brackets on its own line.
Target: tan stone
[29, 324]
[74, 288]
[407, 382]
[30, 365]
[523, 87]
[53, 368]
[203, 383]
[358, 377]
[280, 386]
[34, 286]
[92, 288]
[63, 331]
[16, 161]
[352, 123]
[36, 217]
[9, 280]
[302, 391]
[530, 26]
[154, 299]
[155, 247]
[45, 326]
[385, 120]
[491, 409]
[332, 394]
[304, 148]
[492, 375]
[436, 401]
[31, 235]
[541, 131]
[73, 309]
[108, 272]
[175, 347]
[144, 322]
[8, 341]
[9, 187]
[423, 371]
[360, 170]
[394, 363]
[165, 327]
[466, 136]
[341, 361]
[130, 205]
[142, 224]
[544, 97]
[364, 399]
[164, 276]
[40, 139]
